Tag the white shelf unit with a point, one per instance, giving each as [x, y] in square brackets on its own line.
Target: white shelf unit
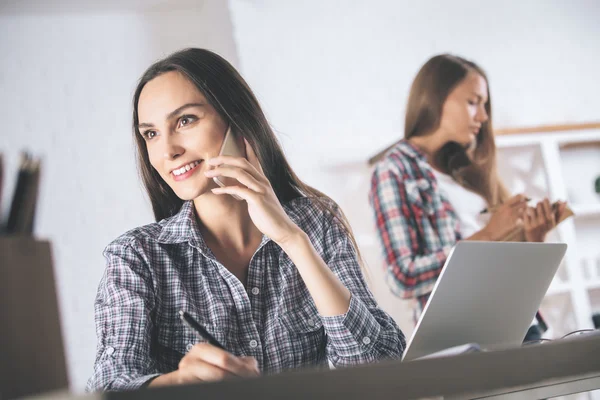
[586, 210]
[563, 166]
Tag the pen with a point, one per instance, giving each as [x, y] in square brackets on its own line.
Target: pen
[487, 210]
[191, 322]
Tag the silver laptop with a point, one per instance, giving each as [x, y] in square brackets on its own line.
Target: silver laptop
[487, 294]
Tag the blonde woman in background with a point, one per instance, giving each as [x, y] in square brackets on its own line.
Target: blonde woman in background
[429, 189]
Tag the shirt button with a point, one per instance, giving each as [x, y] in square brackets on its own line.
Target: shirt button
[310, 322]
[110, 350]
[366, 340]
[189, 347]
[253, 343]
[255, 291]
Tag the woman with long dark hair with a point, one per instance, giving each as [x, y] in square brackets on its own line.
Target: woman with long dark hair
[273, 274]
[428, 191]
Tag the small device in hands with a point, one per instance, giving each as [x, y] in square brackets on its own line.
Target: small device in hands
[231, 148]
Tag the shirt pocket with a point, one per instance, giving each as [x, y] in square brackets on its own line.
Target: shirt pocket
[419, 193]
[306, 336]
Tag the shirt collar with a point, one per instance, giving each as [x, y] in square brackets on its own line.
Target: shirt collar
[409, 149]
[183, 227]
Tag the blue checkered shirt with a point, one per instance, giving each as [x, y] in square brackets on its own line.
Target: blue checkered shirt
[154, 271]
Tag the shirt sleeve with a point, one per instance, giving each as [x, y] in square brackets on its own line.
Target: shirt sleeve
[123, 325]
[365, 333]
[416, 242]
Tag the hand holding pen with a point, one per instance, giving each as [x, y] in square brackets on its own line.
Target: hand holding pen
[206, 361]
[506, 218]
[493, 209]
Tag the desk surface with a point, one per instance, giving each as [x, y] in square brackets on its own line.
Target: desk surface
[549, 369]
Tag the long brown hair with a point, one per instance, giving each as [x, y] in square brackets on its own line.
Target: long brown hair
[428, 93]
[225, 90]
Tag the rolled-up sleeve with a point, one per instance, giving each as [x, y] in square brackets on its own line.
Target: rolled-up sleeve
[365, 333]
[123, 307]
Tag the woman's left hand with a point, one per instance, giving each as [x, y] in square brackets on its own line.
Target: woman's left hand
[538, 221]
[263, 205]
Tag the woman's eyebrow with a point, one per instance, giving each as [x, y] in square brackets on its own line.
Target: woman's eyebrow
[172, 114]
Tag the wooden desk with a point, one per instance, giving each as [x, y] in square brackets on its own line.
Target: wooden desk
[534, 371]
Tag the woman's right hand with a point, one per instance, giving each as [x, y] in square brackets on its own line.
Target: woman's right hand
[504, 220]
[204, 363]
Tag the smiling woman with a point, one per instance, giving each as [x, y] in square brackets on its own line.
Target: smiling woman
[180, 130]
[274, 277]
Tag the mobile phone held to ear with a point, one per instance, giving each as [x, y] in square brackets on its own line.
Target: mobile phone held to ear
[231, 148]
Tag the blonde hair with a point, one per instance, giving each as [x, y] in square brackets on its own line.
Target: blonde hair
[429, 91]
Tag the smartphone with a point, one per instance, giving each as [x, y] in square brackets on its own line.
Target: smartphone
[229, 147]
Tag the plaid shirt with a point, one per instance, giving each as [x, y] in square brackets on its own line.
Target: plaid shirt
[417, 225]
[156, 270]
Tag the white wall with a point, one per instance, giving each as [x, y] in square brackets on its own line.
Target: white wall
[334, 77]
[67, 76]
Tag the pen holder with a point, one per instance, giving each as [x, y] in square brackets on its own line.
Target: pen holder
[31, 348]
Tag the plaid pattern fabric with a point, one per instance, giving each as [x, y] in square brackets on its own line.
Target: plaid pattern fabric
[417, 226]
[156, 270]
